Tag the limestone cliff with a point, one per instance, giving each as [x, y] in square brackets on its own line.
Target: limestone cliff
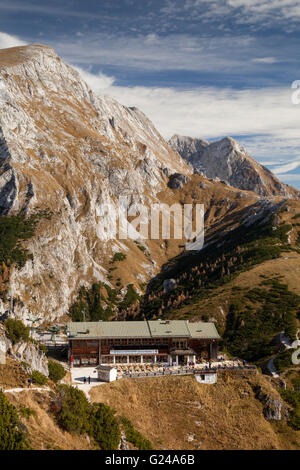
[228, 160]
[66, 150]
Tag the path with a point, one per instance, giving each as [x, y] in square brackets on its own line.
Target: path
[28, 389]
[77, 377]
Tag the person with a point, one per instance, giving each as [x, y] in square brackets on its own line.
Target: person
[89, 379]
[84, 380]
[29, 383]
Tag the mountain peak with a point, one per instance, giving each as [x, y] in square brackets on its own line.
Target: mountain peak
[17, 55]
[228, 160]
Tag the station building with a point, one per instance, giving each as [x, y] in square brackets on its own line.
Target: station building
[124, 342]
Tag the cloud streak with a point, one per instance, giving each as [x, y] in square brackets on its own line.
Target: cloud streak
[7, 40]
[265, 120]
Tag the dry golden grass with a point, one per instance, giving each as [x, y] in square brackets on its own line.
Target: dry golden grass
[170, 410]
[43, 432]
[12, 375]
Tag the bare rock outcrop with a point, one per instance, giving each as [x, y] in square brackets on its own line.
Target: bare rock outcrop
[32, 355]
[274, 409]
[228, 160]
[66, 150]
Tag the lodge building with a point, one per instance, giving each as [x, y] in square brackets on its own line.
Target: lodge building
[123, 342]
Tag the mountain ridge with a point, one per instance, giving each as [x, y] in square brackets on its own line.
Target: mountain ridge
[228, 160]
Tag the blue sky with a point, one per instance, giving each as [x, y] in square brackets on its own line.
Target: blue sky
[195, 67]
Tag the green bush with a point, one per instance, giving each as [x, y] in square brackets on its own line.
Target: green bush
[283, 360]
[88, 304]
[11, 435]
[76, 415]
[293, 398]
[13, 230]
[118, 257]
[38, 378]
[130, 298]
[26, 412]
[104, 427]
[73, 411]
[56, 371]
[134, 436]
[16, 330]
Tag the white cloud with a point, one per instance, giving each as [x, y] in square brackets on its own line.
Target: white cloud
[264, 119]
[7, 40]
[255, 12]
[171, 52]
[293, 178]
[287, 167]
[97, 82]
[265, 60]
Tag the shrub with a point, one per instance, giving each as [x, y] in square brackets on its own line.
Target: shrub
[283, 360]
[16, 330]
[134, 436]
[56, 371]
[73, 411]
[38, 378]
[119, 256]
[130, 298]
[14, 229]
[89, 303]
[75, 414]
[104, 427]
[293, 398]
[11, 435]
[27, 412]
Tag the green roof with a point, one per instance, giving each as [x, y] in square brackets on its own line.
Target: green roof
[142, 329]
[109, 329]
[203, 330]
[165, 328]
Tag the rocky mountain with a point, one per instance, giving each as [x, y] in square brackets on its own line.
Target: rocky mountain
[228, 160]
[65, 154]
[70, 152]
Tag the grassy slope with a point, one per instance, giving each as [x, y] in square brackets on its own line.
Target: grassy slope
[170, 411]
[43, 432]
[217, 303]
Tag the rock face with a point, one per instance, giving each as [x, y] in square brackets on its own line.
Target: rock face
[66, 150]
[30, 353]
[177, 181]
[228, 160]
[23, 352]
[274, 410]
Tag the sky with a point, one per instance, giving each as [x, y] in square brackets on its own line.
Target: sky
[203, 68]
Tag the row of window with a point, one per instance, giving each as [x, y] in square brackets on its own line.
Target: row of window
[120, 342]
[133, 341]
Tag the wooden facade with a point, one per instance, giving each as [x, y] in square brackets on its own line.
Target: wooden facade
[91, 351]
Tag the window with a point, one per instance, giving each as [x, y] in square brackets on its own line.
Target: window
[92, 344]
